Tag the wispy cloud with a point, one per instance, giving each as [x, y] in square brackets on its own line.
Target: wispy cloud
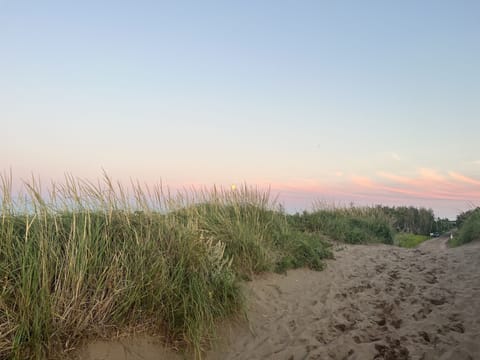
[464, 178]
[363, 181]
[450, 192]
[395, 178]
[297, 184]
[395, 156]
[430, 174]
[426, 186]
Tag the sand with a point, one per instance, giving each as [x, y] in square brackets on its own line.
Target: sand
[372, 302]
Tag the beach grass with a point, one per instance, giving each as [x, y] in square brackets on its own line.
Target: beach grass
[84, 259]
[408, 240]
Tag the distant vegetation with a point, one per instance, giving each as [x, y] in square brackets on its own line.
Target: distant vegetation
[402, 226]
[443, 225]
[464, 216]
[353, 225]
[86, 259]
[468, 227]
[419, 221]
[413, 220]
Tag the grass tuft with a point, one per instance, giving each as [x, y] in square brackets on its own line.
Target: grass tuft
[408, 240]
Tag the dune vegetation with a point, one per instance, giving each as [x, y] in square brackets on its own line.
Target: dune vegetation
[353, 225]
[409, 240]
[468, 224]
[89, 259]
[83, 259]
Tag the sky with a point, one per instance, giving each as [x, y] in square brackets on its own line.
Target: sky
[365, 102]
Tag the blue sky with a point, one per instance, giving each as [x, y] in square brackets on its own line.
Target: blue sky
[363, 101]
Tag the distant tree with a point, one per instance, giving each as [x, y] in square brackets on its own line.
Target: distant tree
[443, 225]
[465, 215]
[410, 219]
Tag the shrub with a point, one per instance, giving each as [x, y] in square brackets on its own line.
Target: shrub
[470, 229]
[408, 240]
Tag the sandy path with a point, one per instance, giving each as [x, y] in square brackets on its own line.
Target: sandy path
[372, 302]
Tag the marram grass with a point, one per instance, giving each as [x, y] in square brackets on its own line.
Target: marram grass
[85, 259]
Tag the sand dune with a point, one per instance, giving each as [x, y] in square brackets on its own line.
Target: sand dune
[372, 302]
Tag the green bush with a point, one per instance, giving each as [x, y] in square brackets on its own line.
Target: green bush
[302, 250]
[462, 217]
[470, 228]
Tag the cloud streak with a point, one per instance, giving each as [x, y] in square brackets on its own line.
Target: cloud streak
[464, 178]
[426, 186]
[395, 156]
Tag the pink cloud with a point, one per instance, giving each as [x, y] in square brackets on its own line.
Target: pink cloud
[433, 185]
[426, 187]
[463, 178]
[430, 174]
[428, 184]
[299, 184]
[363, 181]
[395, 178]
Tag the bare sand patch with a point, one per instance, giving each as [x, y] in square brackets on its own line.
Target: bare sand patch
[134, 348]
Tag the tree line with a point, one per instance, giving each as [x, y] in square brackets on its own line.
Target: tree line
[420, 221]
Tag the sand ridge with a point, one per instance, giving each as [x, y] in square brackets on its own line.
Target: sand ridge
[371, 302]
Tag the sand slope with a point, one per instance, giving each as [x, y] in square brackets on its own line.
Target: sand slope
[372, 302]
